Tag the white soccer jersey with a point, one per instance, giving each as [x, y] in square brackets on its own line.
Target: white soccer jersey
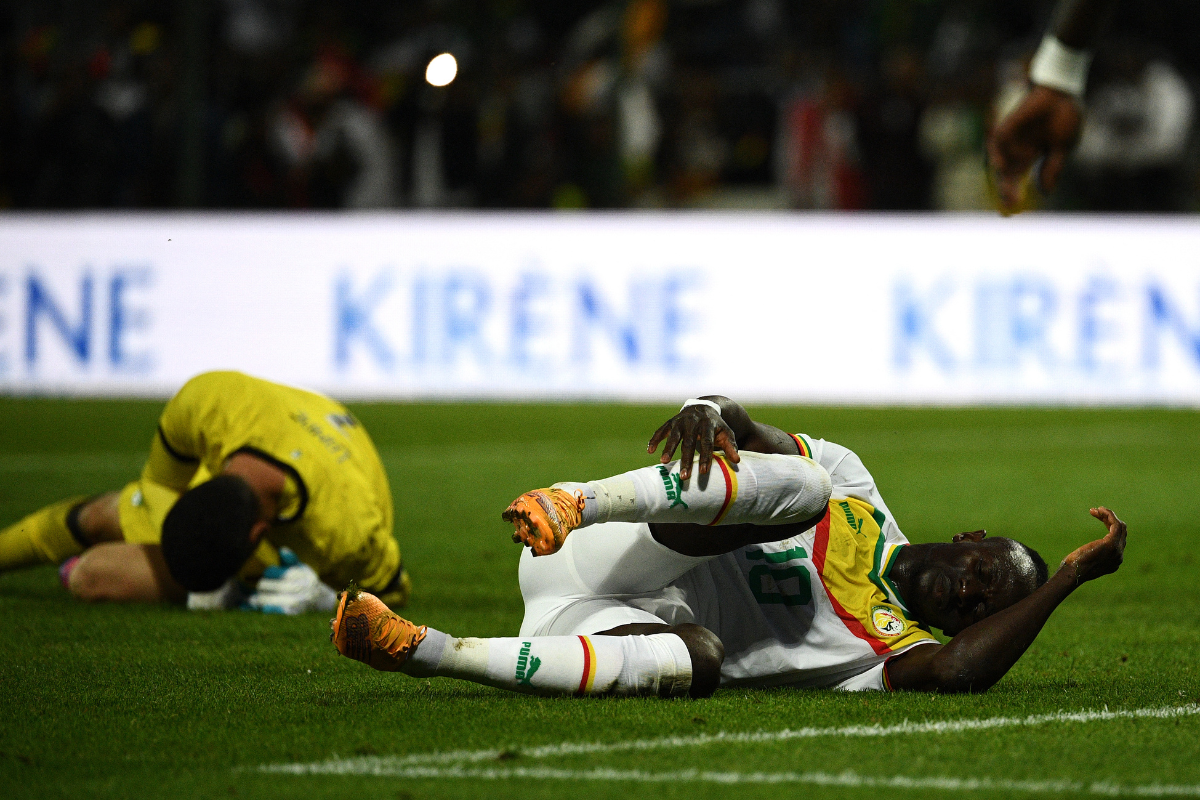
[815, 610]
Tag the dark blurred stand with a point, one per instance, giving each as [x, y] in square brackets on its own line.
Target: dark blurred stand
[829, 104]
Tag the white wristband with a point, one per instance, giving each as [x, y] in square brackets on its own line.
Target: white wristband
[695, 402]
[1060, 67]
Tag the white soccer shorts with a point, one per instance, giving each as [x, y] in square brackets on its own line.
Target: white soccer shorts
[605, 575]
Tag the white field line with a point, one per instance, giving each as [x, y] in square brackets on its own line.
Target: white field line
[843, 779]
[379, 765]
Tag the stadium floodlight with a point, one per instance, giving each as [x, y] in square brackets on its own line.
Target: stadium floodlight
[441, 70]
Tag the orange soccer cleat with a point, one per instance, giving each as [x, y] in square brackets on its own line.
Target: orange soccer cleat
[368, 631]
[543, 518]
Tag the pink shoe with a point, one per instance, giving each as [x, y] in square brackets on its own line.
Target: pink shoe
[64, 572]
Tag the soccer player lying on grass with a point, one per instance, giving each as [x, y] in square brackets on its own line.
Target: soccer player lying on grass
[245, 477]
[780, 566]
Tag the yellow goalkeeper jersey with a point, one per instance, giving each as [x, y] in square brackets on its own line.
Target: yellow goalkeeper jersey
[336, 512]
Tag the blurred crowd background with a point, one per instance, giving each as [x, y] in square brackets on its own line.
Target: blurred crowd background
[806, 104]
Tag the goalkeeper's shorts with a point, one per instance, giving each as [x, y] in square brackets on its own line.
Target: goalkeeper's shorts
[142, 508]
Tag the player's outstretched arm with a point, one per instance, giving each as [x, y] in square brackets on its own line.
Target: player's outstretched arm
[698, 429]
[980, 655]
[1045, 125]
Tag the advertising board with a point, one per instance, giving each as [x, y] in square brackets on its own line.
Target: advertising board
[768, 308]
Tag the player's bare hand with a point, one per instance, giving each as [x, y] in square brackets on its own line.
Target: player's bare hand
[694, 429]
[1102, 556]
[1044, 125]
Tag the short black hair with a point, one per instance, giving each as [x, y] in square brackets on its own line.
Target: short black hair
[206, 534]
[1039, 564]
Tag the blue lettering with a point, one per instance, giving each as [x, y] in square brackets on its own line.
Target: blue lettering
[40, 303]
[465, 303]
[1034, 302]
[1162, 313]
[420, 321]
[526, 322]
[1094, 327]
[353, 321]
[594, 312]
[1011, 318]
[676, 320]
[123, 319]
[993, 327]
[914, 325]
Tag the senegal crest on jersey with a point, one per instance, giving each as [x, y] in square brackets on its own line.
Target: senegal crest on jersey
[886, 621]
[853, 557]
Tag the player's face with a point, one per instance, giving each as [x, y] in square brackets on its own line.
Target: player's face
[965, 581]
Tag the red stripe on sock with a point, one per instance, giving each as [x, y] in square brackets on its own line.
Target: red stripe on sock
[728, 491]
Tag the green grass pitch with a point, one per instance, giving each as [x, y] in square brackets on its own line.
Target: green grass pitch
[111, 701]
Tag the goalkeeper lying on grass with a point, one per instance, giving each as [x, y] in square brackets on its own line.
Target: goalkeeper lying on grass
[781, 565]
[240, 471]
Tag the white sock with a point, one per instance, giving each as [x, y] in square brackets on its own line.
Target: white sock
[764, 489]
[644, 666]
